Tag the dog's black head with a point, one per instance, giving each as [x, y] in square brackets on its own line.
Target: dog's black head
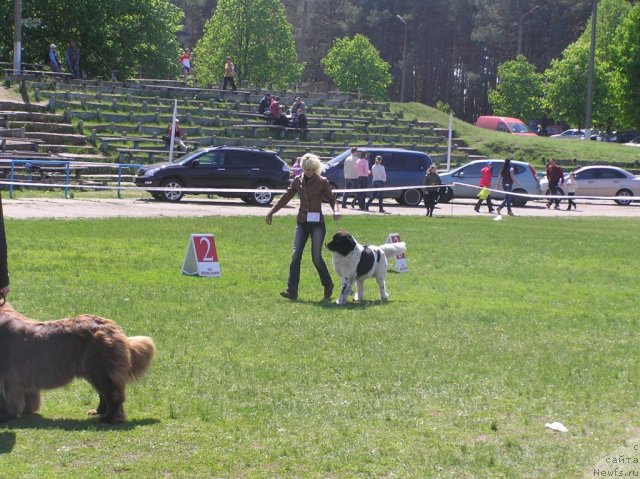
[342, 243]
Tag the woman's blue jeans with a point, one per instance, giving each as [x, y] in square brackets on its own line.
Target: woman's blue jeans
[507, 199]
[317, 232]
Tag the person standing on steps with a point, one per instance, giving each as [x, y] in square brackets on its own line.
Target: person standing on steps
[229, 73]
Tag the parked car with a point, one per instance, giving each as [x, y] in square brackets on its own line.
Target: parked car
[219, 167]
[505, 124]
[464, 181]
[626, 136]
[572, 133]
[403, 167]
[603, 181]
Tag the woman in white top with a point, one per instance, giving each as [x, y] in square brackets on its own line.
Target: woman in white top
[570, 187]
[379, 178]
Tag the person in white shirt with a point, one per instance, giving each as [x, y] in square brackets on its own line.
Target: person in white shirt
[379, 178]
[350, 175]
[570, 187]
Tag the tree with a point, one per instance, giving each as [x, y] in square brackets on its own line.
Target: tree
[256, 35]
[355, 64]
[519, 90]
[626, 79]
[566, 79]
[113, 35]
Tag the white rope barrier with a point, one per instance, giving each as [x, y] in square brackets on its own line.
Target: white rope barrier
[280, 191]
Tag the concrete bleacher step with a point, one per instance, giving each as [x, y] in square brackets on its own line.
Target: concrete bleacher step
[70, 149]
[7, 144]
[9, 105]
[33, 126]
[19, 116]
[57, 138]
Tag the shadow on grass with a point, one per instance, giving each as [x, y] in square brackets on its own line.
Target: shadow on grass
[7, 441]
[36, 421]
[350, 305]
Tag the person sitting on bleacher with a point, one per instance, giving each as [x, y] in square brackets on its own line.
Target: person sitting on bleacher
[299, 114]
[278, 117]
[51, 60]
[263, 108]
[177, 138]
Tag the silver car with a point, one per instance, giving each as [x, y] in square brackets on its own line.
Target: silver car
[572, 133]
[603, 181]
[464, 181]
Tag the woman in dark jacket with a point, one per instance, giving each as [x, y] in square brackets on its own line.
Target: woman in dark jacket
[431, 193]
[312, 190]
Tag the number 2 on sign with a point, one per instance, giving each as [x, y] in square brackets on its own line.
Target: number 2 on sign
[208, 255]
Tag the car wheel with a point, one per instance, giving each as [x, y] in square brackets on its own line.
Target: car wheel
[174, 192]
[622, 194]
[262, 197]
[411, 197]
[519, 201]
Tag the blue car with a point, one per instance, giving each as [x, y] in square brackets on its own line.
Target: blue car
[403, 167]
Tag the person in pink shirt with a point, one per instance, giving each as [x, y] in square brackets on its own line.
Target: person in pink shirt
[362, 168]
[485, 182]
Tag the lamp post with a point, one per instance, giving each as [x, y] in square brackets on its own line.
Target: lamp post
[520, 18]
[592, 50]
[17, 42]
[404, 59]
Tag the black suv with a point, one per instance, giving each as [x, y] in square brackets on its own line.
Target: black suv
[219, 167]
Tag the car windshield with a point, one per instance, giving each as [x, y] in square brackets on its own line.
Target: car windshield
[519, 128]
[183, 159]
[339, 159]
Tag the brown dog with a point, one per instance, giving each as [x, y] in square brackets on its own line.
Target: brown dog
[45, 355]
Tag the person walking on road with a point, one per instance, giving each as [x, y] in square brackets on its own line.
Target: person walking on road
[431, 192]
[379, 178]
[507, 177]
[485, 184]
[555, 176]
[350, 175]
[570, 187]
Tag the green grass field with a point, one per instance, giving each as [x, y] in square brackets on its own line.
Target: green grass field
[497, 329]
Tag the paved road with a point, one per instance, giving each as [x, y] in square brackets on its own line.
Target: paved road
[145, 208]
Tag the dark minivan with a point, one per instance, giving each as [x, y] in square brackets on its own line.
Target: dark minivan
[403, 167]
[219, 167]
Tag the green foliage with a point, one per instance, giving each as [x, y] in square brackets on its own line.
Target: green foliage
[566, 79]
[113, 35]
[258, 37]
[495, 144]
[626, 79]
[454, 376]
[355, 64]
[519, 90]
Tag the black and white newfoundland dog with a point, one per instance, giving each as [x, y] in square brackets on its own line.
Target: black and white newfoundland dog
[355, 263]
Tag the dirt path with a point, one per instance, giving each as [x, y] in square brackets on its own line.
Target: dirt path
[143, 208]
